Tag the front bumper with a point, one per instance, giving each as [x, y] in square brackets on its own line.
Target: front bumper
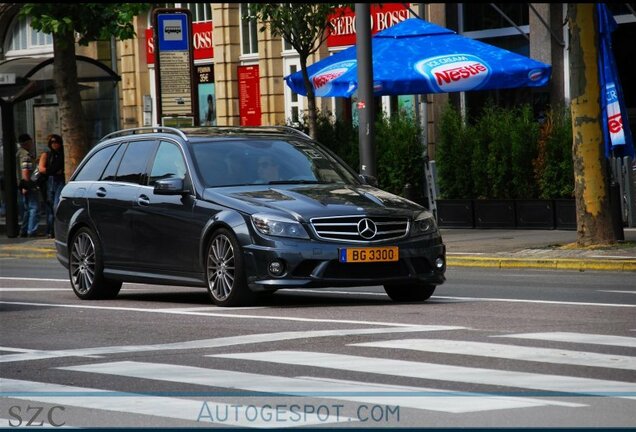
[312, 263]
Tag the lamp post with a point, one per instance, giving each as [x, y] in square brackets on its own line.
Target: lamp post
[365, 105]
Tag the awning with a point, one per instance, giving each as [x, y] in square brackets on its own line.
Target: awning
[27, 77]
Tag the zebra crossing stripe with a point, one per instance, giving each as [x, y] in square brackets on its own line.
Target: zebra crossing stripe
[217, 342]
[402, 396]
[481, 349]
[158, 406]
[583, 338]
[440, 372]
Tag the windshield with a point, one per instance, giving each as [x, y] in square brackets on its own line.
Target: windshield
[236, 162]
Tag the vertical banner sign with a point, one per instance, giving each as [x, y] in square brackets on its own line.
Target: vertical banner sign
[616, 130]
[176, 99]
[207, 98]
[249, 95]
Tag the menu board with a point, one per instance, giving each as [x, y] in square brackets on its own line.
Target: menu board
[249, 95]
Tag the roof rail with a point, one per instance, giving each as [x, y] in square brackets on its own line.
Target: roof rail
[293, 130]
[288, 130]
[148, 129]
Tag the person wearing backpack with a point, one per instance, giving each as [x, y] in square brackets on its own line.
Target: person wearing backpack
[52, 165]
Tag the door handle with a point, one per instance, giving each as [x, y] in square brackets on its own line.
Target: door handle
[143, 200]
[101, 192]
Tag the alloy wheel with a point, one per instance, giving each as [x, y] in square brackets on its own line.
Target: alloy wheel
[83, 263]
[221, 267]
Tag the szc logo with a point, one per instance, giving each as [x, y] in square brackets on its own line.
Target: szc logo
[367, 228]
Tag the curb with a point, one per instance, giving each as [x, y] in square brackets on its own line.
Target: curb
[20, 251]
[545, 263]
[581, 264]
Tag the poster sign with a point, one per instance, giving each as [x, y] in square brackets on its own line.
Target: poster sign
[249, 95]
[46, 121]
[174, 64]
[207, 97]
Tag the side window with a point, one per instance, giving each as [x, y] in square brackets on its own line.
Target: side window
[168, 163]
[111, 169]
[93, 168]
[132, 168]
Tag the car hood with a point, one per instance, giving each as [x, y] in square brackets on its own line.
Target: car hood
[307, 201]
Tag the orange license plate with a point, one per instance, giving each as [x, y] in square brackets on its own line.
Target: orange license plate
[369, 254]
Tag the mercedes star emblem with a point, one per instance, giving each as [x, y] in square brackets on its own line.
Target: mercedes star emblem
[367, 228]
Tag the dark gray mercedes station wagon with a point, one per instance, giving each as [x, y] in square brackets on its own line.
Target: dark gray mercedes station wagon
[239, 211]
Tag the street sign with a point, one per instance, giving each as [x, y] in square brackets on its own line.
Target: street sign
[174, 64]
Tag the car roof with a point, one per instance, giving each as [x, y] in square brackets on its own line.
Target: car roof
[198, 133]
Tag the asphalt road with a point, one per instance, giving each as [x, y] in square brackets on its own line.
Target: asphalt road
[492, 348]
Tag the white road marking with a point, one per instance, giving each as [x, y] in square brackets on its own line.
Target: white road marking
[480, 349]
[158, 406]
[210, 314]
[409, 397]
[487, 299]
[618, 291]
[584, 338]
[432, 371]
[32, 279]
[218, 342]
[31, 289]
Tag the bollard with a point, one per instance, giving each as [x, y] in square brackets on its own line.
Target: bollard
[615, 208]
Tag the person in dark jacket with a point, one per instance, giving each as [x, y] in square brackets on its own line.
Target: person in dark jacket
[52, 165]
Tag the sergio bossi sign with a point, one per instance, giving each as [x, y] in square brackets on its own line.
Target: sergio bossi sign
[342, 28]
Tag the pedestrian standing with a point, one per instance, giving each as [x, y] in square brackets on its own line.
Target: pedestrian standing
[52, 165]
[27, 189]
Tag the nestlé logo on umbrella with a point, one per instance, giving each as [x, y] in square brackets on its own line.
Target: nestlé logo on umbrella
[454, 72]
[321, 80]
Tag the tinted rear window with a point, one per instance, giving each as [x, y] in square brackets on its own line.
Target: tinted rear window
[93, 168]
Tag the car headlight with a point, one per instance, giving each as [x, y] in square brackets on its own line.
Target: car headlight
[278, 226]
[424, 223]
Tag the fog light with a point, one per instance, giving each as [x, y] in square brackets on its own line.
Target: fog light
[439, 263]
[277, 268]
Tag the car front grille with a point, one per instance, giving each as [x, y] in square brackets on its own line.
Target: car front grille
[360, 228]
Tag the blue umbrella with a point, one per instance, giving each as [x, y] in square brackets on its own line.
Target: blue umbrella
[418, 57]
[616, 131]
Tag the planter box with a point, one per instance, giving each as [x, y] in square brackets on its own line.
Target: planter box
[535, 213]
[565, 214]
[494, 213]
[455, 213]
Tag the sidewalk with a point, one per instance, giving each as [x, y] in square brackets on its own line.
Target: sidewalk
[499, 248]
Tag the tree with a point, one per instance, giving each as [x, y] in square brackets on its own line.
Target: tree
[84, 22]
[591, 188]
[304, 26]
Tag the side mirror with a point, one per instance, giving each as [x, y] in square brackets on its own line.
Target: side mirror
[170, 186]
[369, 180]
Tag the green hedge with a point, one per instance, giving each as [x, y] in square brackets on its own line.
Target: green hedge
[505, 154]
[399, 152]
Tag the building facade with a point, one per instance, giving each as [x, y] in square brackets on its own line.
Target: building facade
[237, 70]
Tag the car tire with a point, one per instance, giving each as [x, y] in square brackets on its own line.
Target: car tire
[410, 292]
[86, 268]
[225, 272]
